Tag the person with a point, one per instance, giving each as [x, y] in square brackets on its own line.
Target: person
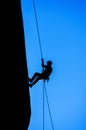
[47, 70]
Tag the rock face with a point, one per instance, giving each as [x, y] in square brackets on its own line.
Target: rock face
[23, 110]
[15, 97]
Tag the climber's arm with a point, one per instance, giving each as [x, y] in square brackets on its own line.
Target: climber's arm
[43, 63]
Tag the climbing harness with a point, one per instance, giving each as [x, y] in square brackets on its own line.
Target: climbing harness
[44, 87]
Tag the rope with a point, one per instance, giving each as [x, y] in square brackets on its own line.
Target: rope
[39, 39]
[48, 106]
[43, 106]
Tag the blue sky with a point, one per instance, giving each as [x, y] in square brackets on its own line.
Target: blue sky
[62, 26]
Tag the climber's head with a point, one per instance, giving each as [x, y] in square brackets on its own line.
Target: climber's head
[49, 62]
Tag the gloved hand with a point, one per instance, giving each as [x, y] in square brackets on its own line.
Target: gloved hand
[42, 61]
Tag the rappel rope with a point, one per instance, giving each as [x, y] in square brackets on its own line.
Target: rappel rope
[39, 39]
[44, 87]
[48, 107]
[43, 106]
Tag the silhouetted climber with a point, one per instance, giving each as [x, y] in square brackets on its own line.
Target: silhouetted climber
[47, 70]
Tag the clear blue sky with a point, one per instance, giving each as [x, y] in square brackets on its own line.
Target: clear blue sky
[62, 26]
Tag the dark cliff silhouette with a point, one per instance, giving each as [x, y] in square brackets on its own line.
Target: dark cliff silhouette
[23, 110]
[15, 97]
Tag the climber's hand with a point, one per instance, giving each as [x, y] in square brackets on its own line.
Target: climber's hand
[42, 61]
